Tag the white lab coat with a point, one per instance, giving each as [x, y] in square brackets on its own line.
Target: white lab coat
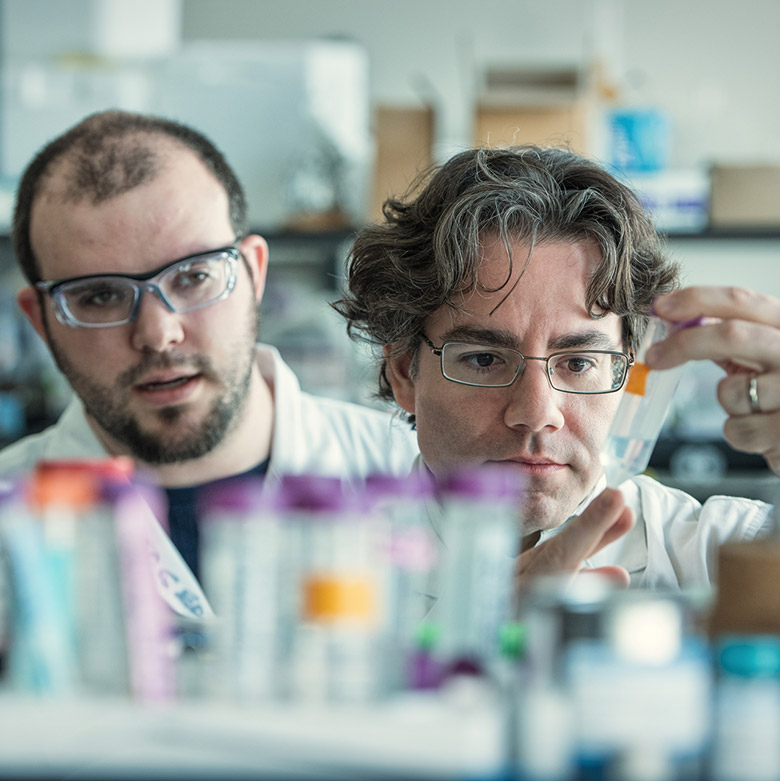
[674, 543]
[673, 546]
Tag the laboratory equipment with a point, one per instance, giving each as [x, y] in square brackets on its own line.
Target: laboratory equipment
[642, 411]
[747, 709]
[480, 529]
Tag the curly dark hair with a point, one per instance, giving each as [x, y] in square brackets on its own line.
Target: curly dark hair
[107, 154]
[427, 250]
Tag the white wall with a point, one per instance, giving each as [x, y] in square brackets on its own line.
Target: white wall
[111, 28]
[747, 263]
[711, 64]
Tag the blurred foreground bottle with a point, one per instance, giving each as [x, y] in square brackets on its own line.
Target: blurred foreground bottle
[746, 739]
[402, 505]
[748, 593]
[338, 581]
[480, 530]
[243, 567]
[615, 687]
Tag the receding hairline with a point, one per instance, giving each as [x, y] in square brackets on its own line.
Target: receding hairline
[55, 185]
[150, 150]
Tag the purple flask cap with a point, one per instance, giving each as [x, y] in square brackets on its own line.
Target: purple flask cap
[416, 485]
[318, 493]
[492, 480]
[237, 494]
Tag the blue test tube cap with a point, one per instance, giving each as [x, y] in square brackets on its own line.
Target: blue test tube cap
[750, 656]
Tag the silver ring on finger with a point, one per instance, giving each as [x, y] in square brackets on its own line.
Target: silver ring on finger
[753, 394]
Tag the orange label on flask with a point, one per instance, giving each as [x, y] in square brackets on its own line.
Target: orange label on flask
[637, 379]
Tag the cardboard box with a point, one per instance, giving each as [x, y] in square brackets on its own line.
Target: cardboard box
[404, 148]
[748, 594]
[533, 105]
[745, 196]
[565, 125]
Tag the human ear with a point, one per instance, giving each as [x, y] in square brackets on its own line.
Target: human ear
[28, 300]
[255, 249]
[398, 370]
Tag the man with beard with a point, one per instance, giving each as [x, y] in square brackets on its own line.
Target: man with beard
[144, 282]
[505, 298]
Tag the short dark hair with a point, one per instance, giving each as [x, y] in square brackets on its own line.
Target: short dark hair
[427, 249]
[109, 153]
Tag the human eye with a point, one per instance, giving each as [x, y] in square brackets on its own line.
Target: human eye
[584, 372]
[190, 276]
[577, 364]
[478, 362]
[97, 296]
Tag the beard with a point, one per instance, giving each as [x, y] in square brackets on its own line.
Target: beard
[178, 439]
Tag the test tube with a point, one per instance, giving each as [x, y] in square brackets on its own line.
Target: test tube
[642, 411]
[148, 621]
[42, 654]
[242, 565]
[481, 538]
[404, 502]
[341, 569]
[98, 613]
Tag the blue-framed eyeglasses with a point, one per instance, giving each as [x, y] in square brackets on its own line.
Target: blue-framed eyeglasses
[104, 300]
[570, 371]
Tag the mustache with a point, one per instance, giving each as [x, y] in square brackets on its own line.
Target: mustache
[533, 446]
[195, 364]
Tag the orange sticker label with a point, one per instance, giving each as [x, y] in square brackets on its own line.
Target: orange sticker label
[637, 379]
[338, 598]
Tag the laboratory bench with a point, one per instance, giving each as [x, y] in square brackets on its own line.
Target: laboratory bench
[90, 739]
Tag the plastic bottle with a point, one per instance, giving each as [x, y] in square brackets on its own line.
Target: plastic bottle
[746, 740]
[642, 411]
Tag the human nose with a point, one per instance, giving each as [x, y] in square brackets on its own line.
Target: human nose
[156, 328]
[533, 402]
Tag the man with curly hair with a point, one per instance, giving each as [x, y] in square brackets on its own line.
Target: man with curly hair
[506, 296]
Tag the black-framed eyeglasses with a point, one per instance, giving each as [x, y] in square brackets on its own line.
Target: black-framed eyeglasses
[569, 371]
[104, 300]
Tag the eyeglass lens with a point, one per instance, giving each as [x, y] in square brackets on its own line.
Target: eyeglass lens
[185, 286]
[578, 372]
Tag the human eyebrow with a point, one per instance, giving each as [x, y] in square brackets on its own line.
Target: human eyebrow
[594, 340]
[491, 336]
[585, 340]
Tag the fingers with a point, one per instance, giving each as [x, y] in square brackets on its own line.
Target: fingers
[604, 520]
[756, 433]
[753, 425]
[737, 345]
[617, 576]
[622, 525]
[741, 333]
[734, 393]
[718, 301]
[741, 328]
